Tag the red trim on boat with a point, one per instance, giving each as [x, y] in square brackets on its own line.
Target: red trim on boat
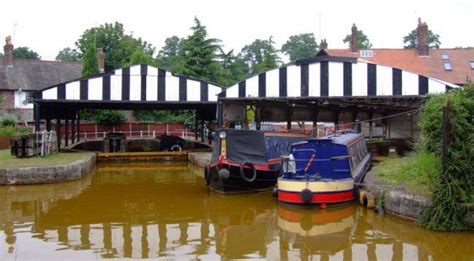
[318, 198]
[261, 167]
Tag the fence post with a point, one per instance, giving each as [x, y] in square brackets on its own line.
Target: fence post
[141, 134]
[167, 128]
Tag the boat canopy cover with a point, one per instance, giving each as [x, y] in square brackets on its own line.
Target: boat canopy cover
[242, 145]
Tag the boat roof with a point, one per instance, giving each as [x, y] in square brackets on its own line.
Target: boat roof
[342, 138]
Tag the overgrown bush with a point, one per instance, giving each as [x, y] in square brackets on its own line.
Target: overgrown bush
[10, 131]
[456, 185]
[8, 121]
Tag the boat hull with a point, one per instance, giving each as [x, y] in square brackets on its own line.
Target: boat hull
[234, 183]
[303, 192]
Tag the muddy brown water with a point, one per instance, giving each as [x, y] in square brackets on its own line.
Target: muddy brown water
[165, 211]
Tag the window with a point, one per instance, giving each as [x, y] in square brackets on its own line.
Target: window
[366, 53]
[445, 57]
[447, 66]
[472, 65]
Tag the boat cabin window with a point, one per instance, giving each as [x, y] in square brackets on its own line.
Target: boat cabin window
[357, 152]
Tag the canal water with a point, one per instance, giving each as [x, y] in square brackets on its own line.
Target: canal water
[165, 211]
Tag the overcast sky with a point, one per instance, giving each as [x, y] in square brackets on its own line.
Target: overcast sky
[47, 26]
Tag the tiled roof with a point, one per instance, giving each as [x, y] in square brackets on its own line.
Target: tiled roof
[36, 74]
[431, 65]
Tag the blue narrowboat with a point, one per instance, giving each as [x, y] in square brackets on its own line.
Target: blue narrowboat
[324, 170]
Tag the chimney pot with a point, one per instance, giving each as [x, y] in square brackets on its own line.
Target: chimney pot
[354, 47]
[8, 51]
[323, 45]
[100, 59]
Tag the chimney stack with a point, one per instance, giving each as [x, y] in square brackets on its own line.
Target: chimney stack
[354, 48]
[8, 52]
[422, 38]
[323, 45]
[100, 59]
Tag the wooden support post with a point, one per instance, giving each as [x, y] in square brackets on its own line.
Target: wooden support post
[196, 125]
[412, 132]
[257, 118]
[48, 124]
[371, 124]
[289, 117]
[354, 120]
[78, 130]
[209, 133]
[66, 132]
[315, 121]
[58, 132]
[36, 109]
[202, 130]
[336, 119]
[73, 129]
[386, 125]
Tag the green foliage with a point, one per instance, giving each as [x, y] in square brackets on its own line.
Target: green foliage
[162, 116]
[456, 184]
[261, 56]
[170, 57]
[110, 117]
[300, 46]
[8, 122]
[362, 40]
[117, 46]
[9, 131]
[411, 41]
[25, 53]
[139, 57]
[200, 54]
[417, 172]
[90, 65]
[68, 54]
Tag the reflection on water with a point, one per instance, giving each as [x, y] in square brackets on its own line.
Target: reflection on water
[164, 210]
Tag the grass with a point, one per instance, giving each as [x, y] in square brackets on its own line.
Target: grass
[416, 172]
[8, 161]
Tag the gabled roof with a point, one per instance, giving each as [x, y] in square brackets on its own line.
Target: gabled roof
[431, 65]
[32, 75]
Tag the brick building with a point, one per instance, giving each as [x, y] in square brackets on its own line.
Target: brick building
[19, 78]
[453, 65]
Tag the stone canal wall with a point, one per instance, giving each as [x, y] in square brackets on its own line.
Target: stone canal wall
[48, 174]
[200, 159]
[401, 203]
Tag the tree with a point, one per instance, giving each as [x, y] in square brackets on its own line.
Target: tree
[68, 54]
[362, 40]
[25, 53]
[139, 57]
[300, 46]
[170, 57]
[261, 56]
[411, 40]
[200, 54]
[90, 65]
[234, 68]
[117, 46]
